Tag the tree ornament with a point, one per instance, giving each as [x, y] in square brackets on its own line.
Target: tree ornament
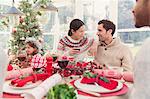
[14, 30]
[23, 38]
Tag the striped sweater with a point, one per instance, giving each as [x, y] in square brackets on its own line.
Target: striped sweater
[67, 43]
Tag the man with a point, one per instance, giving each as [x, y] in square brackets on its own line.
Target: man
[142, 13]
[111, 51]
[142, 63]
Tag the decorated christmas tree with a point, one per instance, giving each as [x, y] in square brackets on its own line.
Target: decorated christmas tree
[28, 27]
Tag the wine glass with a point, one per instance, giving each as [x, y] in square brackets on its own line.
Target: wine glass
[63, 64]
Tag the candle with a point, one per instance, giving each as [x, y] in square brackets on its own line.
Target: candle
[49, 65]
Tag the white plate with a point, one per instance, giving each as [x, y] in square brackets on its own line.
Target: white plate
[96, 88]
[18, 90]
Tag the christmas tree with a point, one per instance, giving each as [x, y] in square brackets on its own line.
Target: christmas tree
[28, 27]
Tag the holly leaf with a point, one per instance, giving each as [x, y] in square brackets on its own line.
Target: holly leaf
[89, 75]
[104, 79]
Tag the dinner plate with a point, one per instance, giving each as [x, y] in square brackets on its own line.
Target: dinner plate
[96, 87]
[19, 90]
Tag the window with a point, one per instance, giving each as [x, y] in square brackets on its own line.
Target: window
[56, 24]
[126, 31]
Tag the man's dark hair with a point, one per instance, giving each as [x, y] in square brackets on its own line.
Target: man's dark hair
[108, 25]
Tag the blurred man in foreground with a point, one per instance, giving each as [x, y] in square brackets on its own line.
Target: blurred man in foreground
[142, 62]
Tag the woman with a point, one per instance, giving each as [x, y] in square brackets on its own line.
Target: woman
[76, 43]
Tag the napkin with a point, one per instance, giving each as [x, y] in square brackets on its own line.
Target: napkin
[17, 73]
[40, 91]
[13, 82]
[87, 80]
[33, 78]
[112, 84]
[22, 82]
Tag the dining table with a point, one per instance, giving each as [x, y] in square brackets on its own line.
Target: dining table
[123, 93]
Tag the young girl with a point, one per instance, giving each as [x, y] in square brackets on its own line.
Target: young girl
[35, 59]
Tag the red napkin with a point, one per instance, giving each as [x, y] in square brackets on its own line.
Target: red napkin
[24, 81]
[41, 76]
[112, 84]
[87, 80]
[13, 82]
[33, 78]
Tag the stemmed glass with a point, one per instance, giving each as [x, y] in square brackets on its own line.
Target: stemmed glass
[63, 64]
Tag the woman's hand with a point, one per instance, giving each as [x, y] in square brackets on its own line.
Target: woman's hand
[74, 51]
